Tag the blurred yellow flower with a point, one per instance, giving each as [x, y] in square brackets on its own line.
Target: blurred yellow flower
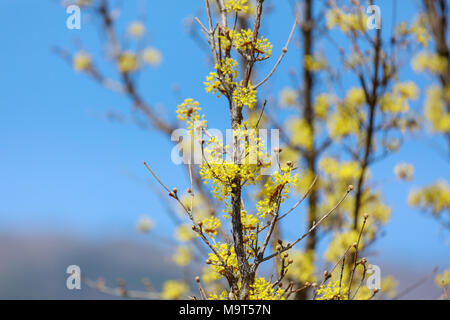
[404, 171]
[145, 224]
[152, 56]
[128, 62]
[288, 97]
[81, 61]
[182, 256]
[136, 29]
[173, 290]
[184, 233]
[443, 279]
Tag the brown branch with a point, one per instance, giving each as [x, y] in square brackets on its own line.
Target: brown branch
[289, 246]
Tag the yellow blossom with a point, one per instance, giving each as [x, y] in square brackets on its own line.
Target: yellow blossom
[434, 197]
[182, 256]
[435, 110]
[145, 224]
[404, 171]
[288, 97]
[432, 62]
[314, 64]
[128, 62]
[244, 96]
[346, 21]
[340, 243]
[303, 267]
[211, 225]
[443, 279]
[263, 290]
[173, 290]
[332, 291]
[81, 61]
[151, 56]
[321, 105]
[243, 42]
[184, 233]
[136, 29]
[236, 5]
[301, 133]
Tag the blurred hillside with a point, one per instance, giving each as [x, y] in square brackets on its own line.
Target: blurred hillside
[33, 267]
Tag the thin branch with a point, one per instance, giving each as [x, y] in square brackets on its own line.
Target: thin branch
[283, 52]
[415, 285]
[289, 246]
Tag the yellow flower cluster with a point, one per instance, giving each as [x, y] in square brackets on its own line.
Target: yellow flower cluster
[434, 197]
[419, 29]
[303, 267]
[346, 21]
[304, 181]
[128, 62]
[151, 56]
[188, 111]
[398, 100]
[435, 109]
[443, 279]
[227, 253]
[136, 29]
[404, 171]
[301, 133]
[288, 97]
[243, 43]
[332, 291]
[236, 5]
[276, 187]
[346, 171]
[211, 225]
[182, 256]
[314, 64]
[244, 96]
[184, 233]
[340, 243]
[226, 72]
[221, 173]
[223, 80]
[223, 296]
[145, 224]
[250, 223]
[263, 290]
[208, 275]
[173, 290]
[431, 62]
[213, 84]
[81, 61]
[346, 118]
[322, 105]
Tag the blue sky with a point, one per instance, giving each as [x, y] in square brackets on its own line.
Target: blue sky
[65, 168]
